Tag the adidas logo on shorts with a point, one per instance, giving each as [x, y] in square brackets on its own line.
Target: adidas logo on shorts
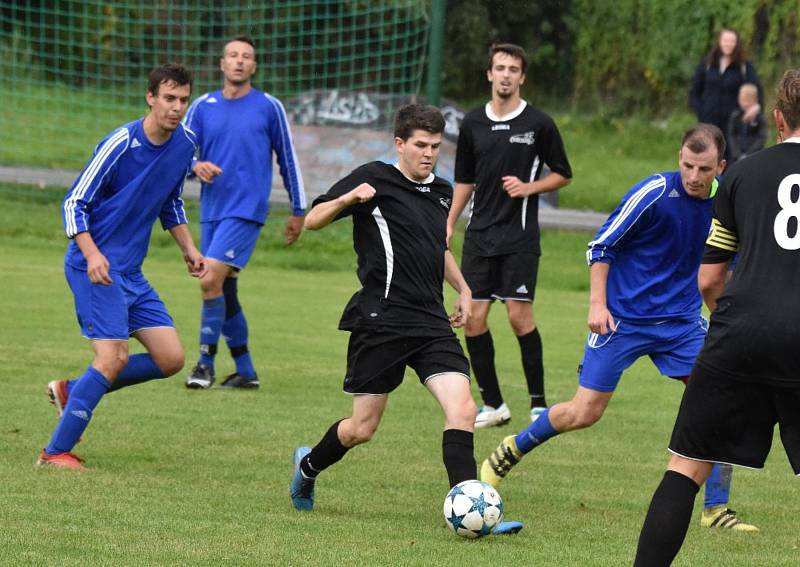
[522, 289]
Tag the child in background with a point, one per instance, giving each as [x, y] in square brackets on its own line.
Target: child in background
[746, 137]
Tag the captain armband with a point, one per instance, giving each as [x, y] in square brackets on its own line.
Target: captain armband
[721, 237]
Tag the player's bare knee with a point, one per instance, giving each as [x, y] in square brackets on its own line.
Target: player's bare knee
[461, 415]
[111, 363]
[521, 322]
[522, 327]
[475, 327]
[172, 362]
[363, 431]
[211, 287]
[469, 410]
[586, 416]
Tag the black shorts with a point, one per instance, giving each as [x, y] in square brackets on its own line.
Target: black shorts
[723, 420]
[510, 276]
[376, 361]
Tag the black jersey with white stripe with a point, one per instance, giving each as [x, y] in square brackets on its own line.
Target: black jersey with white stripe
[755, 329]
[399, 238]
[489, 148]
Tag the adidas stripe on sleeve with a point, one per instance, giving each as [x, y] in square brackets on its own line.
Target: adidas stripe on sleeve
[623, 220]
[79, 198]
[281, 138]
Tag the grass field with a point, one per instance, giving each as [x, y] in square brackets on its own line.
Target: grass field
[201, 478]
[608, 155]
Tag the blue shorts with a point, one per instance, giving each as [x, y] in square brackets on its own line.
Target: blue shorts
[116, 311]
[230, 241]
[673, 347]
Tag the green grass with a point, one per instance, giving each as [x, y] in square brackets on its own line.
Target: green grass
[608, 154]
[184, 477]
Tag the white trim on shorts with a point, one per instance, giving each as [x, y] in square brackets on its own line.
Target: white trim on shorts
[104, 339]
[424, 382]
[716, 462]
[226, 263]
[364, 393]
[504, 299]
[153, 327]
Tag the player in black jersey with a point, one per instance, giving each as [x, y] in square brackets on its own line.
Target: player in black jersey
[502, 149]
[397, 318]
[747, 377]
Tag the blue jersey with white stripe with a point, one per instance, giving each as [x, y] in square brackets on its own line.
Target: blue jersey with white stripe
[240, 135]
[654, 241]
[125, 187]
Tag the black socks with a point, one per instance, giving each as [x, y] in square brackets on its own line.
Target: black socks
[481, 355]
[327, 452]
[667, 520]
[458, 455]
[530, 347]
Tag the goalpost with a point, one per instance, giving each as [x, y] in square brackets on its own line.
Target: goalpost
[73, 70]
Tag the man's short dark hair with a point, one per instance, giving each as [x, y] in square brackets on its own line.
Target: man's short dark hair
[788, 99]
[413, 117]
[508, 49]
[243, 38]
[168, 73]
[700, 137]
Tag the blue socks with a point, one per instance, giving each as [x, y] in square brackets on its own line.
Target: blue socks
[211, 321]
[223, 315]
[83, 398]
[718, 486]
[235, 332]
[140, 368]
[235, 329]
[536, 433]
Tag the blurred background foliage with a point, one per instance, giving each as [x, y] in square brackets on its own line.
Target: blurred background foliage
[614, 57]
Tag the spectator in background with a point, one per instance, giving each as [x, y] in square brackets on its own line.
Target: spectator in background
[715, 86]
[745, 136]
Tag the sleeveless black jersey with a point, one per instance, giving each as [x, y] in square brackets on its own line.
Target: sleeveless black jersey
[489, 149]
[755, 329]
[399, 238]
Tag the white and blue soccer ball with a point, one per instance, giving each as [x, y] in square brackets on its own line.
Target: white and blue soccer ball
[472, 509]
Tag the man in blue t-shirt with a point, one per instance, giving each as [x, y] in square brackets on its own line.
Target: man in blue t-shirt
[644, 301]
[135, 177]
[238, 129]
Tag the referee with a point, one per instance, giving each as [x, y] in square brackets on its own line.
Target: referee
[747, 377]
[502, 149]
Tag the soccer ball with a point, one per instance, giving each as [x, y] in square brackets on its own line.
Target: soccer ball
[472, 509]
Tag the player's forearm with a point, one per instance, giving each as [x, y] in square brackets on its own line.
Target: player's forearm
[324, 214]
[454, 276]
[183, 238]
[549, 183]
[711, 281]
[461, 196]
[598, 282]
[86, 244]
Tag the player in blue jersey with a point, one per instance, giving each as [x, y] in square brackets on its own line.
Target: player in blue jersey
[747, 377]
[135, 177]
[644, 301]
[238, 129]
